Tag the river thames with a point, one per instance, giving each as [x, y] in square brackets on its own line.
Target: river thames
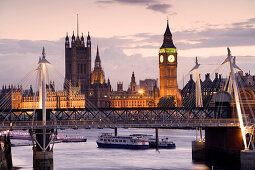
[87, 155]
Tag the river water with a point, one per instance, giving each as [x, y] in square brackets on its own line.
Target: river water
[77, 156]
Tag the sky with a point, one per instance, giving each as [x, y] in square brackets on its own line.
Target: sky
[129, 34]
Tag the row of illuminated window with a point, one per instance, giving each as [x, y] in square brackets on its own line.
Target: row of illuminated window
[113, 140]
[53, 105]
[129, 103]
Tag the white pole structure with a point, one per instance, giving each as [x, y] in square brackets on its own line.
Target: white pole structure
[40, 85]
[236, 96]
[199, 100]
[42, 93]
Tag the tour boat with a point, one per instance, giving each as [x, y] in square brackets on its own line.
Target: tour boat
[163, 143]
[107, 140]
[68, 139]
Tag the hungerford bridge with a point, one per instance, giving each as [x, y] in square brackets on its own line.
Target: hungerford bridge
[231, 136]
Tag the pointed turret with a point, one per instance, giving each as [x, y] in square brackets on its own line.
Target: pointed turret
[167, 32]
[168, 41]
[82, 38]
[73, 40]
[133, 78]
[43, 59]
[97, 52]
[67, 38]
[73, 37]
[88, 41]
[43, 53]
[97, 75]
[133, 83]
[88, 37]
[67, 44]
[97, 60]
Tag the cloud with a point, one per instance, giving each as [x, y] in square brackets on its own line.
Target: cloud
[155, 5]
[105, 2]
[236, 34]
[141, 2]
[124, 54]
[137, 1]
[159, 7]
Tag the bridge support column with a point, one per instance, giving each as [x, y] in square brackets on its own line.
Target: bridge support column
[198, 150]
[43, 160]
[43, 141]
[223, 146]
[156, 134]
[42, 156]
[115, 131]
[247, 159]
[5, 152]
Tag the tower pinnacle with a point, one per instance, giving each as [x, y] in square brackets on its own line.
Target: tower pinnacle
[167, 32]
[97, 60]
[168, 41]
[43, 53]
[97, 51]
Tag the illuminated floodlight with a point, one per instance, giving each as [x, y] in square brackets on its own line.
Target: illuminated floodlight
[140, 91]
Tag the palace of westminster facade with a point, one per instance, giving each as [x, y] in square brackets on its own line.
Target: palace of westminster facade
[88, 88]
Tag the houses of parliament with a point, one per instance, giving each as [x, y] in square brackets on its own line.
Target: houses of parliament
[88, 87]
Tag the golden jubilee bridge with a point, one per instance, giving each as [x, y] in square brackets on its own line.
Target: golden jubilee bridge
[152, 117]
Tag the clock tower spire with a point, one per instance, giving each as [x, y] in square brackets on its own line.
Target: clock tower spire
[168, 68]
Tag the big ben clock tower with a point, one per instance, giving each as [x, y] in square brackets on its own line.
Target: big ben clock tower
[168, 68]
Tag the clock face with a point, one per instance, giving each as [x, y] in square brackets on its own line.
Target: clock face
[171, 58]
[91, 93]
[161, 59]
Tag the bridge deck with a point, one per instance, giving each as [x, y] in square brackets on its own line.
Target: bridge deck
[118, 117]
[85, 124]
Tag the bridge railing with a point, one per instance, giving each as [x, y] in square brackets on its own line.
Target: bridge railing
[110, 124]
[113, 114]
[122, 117]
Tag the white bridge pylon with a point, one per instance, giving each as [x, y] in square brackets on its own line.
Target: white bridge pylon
[233, 87]
[42, 64]
[199, 99]
[42, 84]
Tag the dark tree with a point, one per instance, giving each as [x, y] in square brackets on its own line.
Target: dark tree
[166, 102]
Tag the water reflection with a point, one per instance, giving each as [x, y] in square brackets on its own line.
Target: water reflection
[88, 156]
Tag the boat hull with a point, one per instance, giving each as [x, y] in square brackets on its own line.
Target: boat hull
[73, 140]
[160, 146]
[123, 146]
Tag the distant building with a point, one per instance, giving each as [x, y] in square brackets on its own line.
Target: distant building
[148, 85]
[99, 89]
[246, 80]
[208, 89]
[78, 71]
[17, 98]
[78, 61]
[145, 96]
